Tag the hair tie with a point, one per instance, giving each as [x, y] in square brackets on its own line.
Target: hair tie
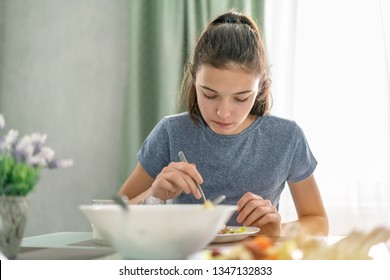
[231, 20]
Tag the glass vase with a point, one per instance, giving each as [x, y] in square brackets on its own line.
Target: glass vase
[13, 219]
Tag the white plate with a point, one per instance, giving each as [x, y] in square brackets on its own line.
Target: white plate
[232, 237]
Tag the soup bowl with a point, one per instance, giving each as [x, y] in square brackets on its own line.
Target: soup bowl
[171, 231]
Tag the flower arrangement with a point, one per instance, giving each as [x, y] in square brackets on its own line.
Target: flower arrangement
[21, 160]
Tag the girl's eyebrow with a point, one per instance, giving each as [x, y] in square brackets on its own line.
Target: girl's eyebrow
[213, 90]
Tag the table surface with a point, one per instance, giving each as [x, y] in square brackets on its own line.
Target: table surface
[64, 246]
[82, 246]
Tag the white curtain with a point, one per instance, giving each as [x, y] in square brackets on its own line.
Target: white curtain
[330, 73]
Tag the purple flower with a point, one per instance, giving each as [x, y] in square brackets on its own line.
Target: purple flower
[36, 161]
[30, 149]
[60, 163]
[8, 141]
[37, 140]
[24, 149]
[42, 158]
[46, 153]
[21, 160]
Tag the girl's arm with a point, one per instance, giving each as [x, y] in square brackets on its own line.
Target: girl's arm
[137, 185]
[310, 209]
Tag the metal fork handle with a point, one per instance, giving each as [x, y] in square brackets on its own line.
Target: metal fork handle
[183, 159]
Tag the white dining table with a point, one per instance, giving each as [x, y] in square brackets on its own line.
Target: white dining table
[82, 246]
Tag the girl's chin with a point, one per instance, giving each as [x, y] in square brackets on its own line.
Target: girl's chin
[223, 129]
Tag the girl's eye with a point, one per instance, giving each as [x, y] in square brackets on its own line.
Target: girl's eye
[242, 100]
[209, 96]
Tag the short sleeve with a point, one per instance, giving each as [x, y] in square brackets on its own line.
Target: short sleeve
[154, 152]
[303, 161]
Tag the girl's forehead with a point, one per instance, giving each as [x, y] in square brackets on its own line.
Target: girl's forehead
[209, 72]
[226, 79]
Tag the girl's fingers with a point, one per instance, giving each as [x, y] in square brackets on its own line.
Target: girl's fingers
[246, 198]
[252, 208]
[176, 177]
[260, 216]
[189, 169]
[190, 174]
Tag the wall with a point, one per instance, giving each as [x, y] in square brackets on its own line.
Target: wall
[63, 72]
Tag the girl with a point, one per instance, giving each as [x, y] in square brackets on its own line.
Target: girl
[234, 145]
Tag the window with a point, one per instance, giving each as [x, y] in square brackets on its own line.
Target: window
[330, 73]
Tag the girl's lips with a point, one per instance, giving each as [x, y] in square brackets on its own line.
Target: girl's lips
[221, 124]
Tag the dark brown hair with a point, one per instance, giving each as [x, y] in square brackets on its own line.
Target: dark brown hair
[231, 38]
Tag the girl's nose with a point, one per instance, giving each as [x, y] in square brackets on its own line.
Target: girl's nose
[223, 110]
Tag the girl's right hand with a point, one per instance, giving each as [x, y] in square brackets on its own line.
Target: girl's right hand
[176, 178]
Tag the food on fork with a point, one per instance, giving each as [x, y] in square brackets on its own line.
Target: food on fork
[208, 204]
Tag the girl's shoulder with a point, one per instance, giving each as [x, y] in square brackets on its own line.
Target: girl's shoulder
[179, 121]
[280, 125]
[275, 122]
[179, 117]
[278, 121]
[175, 120]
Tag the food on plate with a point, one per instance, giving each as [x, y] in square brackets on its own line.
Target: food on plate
[355, 246]
[259, 248]
[230, 230]
[234, 234]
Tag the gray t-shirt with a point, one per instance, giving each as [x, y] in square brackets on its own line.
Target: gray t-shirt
[260, 159]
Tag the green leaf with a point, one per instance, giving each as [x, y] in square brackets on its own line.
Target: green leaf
[17, 178]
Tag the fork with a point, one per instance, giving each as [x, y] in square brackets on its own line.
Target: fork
[183, 159]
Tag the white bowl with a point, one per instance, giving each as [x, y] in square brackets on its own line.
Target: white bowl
[172, 231]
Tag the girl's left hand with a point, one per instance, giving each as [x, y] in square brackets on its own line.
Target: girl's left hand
[253, 210]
